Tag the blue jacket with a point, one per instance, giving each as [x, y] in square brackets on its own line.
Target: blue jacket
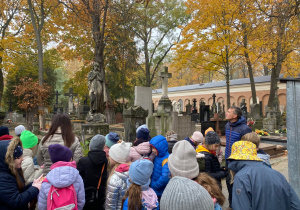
[10, 196]
[160, 175]
[234, 132]
[259, 187]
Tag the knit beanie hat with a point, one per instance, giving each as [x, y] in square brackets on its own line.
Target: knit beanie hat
[142, 126]
[4, 131]
[119, 152]
[182, 161]
[58, 152]
[111, 139]
[19, 129]
[197, 136]
[183, 193]
[28, 139]
[143, 133]
[212, 137]
[18, 152]
[97, 142]
[140, 171]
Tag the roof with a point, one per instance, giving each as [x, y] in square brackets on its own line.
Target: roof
[233, 82]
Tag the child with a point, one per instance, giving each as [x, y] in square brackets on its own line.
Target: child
[255, 139]
[212, 165]
[111, 139]
[219, 152]
[160, 176]
[29, 141]
[19, 129]
[139, 195]
[171, 137]
[141, 147]
[117, 181]
[212, 188]
[93, 168]
[195, 139]
[182, 193]
[62, 175]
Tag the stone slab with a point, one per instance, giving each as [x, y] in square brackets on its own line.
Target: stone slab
[143, 98]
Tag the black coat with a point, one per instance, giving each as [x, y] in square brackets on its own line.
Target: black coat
[90, 170]
[10, 196]
[213, 168]
[171, 145]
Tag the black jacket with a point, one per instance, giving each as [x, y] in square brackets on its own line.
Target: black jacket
[10, 196]
[171, 145]
[213, 168]
[90, 170]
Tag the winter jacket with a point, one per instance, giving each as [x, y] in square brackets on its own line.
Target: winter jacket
[139, 151]
[6, 137]
[171, 144]
[28, 167]
[62, 174]
[10, 196]
[259, 187]
[212, 165]
[264, 156]
[234, 132]
[149, 198]
[90, 168]
[116, 188]
[191, 141]
[161, 174]
[43, 156]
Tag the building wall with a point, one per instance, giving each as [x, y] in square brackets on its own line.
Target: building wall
[237, 94]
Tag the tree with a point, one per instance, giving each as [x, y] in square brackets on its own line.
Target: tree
[156, 27]
[31, 96]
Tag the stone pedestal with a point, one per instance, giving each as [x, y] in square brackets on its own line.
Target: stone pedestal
[164, 106]
[269, 124]
[133, 118]
[36, 128]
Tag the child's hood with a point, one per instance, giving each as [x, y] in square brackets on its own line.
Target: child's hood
[160, 144]
[149, 199]
[63, 174]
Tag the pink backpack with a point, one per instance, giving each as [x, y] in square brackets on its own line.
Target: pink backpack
[61, 198]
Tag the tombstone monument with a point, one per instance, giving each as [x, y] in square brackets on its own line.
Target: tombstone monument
[71, 103]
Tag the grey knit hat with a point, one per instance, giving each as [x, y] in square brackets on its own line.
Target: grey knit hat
[212, 137]
[183, 161]
[19, 129]
[185, 194]
[97, 142]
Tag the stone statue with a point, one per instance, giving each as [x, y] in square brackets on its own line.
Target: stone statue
[97, 91]
[178, 108]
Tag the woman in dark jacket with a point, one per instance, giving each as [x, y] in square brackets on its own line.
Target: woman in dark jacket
[171, 137]
[13, 192]
[91, 168]
[212, 165]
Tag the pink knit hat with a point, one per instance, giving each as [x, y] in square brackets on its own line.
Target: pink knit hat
[198, 137]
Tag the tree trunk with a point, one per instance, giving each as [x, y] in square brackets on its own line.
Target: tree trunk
[147, 64]
[266, 70]
[1, 81]
[227, 77]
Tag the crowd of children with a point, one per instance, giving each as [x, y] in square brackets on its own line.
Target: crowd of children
[162, 172]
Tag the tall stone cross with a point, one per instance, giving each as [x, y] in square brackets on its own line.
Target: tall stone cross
[10, 103]
[56, 97]
[214, 98]
[71, 104]
[164, 78]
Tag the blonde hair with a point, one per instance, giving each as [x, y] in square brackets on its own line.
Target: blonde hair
[252, 137]
[209, 146]
[212, 187]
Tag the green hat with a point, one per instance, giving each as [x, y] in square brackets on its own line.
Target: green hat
[28, 139]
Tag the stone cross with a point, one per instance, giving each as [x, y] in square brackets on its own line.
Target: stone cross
[10, 103]
[56, 97]
[70, 94]
[214, 98]
[164, 78]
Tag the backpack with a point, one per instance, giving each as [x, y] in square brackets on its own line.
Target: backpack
[92, 198]
[61, 198]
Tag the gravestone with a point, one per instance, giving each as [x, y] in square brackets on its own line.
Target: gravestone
[143, 98]
[133, 118]
[269, 123]
[217, 119]
[119, 118]
[10, 103]
[71, 103]
[244, 108]
[261, 108]
[188, 108]
[164, 104]
[195, 116]
[214, 107]
[204, 112]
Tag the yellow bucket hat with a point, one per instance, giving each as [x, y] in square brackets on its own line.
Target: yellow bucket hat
[244, 150]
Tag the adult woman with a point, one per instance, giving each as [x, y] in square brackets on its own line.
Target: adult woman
[60, 132]
[13, 192]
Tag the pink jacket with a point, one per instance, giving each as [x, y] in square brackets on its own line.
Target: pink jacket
[139, 151]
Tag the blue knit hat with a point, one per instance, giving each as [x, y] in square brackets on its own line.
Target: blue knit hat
[18, 152]
[143, 133]
[111, 139]
[142, 126]
[4, 131]
[140, 171]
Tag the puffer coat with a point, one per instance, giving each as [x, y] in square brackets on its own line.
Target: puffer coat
[43, 157]
[139, 151]
[29, 171]
[116, 188]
